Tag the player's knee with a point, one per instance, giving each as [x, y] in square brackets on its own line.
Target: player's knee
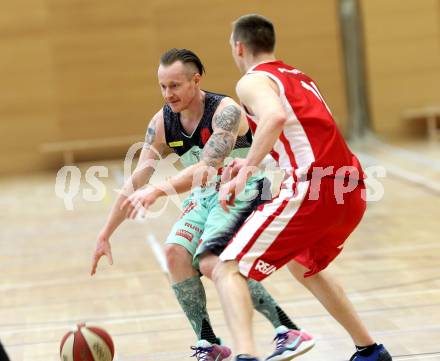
[223, 270]
[206, 268]
[177, 257]
[297, 270]
[207, 264]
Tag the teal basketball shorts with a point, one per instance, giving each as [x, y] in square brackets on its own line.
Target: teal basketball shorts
[205, 226]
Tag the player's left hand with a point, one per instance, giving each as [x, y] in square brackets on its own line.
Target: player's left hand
[103, 248]
[139, 202]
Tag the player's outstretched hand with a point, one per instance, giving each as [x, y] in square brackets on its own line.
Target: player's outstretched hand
[139, 202]
[103, 248]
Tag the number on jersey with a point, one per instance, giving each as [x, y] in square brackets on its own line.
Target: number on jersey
[314, 89]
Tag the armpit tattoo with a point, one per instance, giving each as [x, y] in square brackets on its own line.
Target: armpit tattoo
[228, 118]
[218, 148]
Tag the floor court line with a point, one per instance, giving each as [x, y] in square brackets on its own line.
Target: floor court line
[416, 157]
[304, 301]
[354, 296]
[392, 250]
[343, 336]
[67, 281]
[158, 252]
[417, 179]
[67, 324]
[387, 287]
[152, 242]
[419, 356]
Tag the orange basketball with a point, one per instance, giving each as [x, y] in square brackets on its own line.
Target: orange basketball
[87, 343]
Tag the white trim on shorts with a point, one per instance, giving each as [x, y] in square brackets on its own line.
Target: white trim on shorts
[269, 235]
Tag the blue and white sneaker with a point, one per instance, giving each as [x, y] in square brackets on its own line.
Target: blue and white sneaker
[380, 353]
[290, 344]
[206, 351]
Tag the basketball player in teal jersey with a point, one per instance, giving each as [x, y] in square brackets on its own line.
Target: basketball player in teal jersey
[203, 128]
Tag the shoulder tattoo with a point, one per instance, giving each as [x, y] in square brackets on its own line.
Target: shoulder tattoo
[228, 118]
[150, 136]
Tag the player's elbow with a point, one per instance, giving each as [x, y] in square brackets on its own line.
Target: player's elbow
[279, 119]
[136, 181]
[273, 116]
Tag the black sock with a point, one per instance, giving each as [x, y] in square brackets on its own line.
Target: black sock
[3, 356]
[192, 298]
[246, 356]
[366, 350]
[285, 320]
[268, 307]
[208, 334]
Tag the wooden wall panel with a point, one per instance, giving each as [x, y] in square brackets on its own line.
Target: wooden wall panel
[77, 69]
[102, 67]
[27, 115]
[403, 61]
[315, 49]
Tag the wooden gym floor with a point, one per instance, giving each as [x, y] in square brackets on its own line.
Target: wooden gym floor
[390, 268]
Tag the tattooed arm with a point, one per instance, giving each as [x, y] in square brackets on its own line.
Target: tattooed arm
[227, 122]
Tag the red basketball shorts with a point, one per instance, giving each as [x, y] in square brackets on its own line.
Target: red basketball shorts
[302, 224]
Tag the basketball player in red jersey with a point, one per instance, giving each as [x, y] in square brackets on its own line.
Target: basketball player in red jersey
[320, 202]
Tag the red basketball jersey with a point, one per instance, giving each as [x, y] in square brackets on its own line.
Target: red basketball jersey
[310, 137]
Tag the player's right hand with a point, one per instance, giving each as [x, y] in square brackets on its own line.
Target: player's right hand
[232, 169]
[227, 194]
[103, 248]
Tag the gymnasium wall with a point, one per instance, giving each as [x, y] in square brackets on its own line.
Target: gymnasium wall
[402, 39]
[80, 69]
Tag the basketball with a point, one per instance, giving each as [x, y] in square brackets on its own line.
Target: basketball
[87, 343]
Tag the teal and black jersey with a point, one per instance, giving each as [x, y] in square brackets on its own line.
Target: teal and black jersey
[189, 147]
